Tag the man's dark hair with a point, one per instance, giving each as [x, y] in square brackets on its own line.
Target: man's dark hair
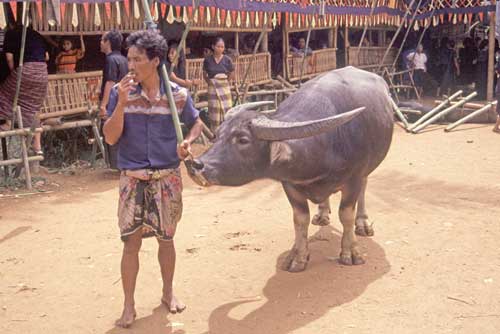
[149, 41]
[115, 39]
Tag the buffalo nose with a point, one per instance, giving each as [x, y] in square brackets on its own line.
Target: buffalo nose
[197, 164]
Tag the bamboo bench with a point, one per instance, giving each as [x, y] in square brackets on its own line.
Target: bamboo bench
[75, 99]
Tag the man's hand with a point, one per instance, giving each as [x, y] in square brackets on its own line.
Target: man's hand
[126, 85]
[102, 112]
[184, 150]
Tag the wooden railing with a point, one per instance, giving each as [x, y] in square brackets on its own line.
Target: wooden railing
[260, 71]
[71, 93]
[319, 62]
[370, 56]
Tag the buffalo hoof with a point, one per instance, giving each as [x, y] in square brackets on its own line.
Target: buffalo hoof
[294, 263]
[349, 259]
[319, 220]
[365, 231]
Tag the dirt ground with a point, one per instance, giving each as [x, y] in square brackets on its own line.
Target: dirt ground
[432, 267]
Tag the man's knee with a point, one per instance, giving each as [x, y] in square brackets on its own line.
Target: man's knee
[132, 245]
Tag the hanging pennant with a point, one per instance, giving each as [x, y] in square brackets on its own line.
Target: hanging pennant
[212, 12]
[228, 20]
[163, 9]
[13, 7]
[97, 16]
[63, 10]
[107, 10]
[136, 10]
[257, 21]
[178, 12]
[126, 4]
[74, 15]
[86, 9]
[238, 20]
[154, 11]
[455, 19]
[170, 15]
[223, 14]
[279, 17]
[39, 9]
[201, 14]
[247, 21]
[185, 17]
[118, 13]
[252, 18]
[217, 16]
[234, 15]
[265, 19]
[209, 18]
[274, 20]
[3, 19]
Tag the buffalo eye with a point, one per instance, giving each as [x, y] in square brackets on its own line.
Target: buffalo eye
[243, 141]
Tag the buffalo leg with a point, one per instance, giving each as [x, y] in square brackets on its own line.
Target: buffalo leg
[363, 226]
[350, 253]
[322, 218]
[298, 257]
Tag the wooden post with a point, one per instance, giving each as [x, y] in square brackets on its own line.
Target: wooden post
[237, 41]
[24, 150]
[264, 47]
[5, 156]
[286, 49]
[335, 38]
[491, 56]
[330, 38]
[346, 44]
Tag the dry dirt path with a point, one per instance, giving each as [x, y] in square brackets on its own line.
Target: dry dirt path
[432, 267]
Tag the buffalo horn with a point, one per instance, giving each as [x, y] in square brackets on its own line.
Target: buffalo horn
[246, 106]
[273, 130]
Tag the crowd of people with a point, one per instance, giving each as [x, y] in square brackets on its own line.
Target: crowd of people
[441, 68]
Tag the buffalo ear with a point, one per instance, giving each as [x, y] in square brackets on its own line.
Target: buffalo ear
[280, 152]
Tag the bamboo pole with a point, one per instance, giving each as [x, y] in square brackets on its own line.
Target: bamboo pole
[5, 156]
[435, 110]
[491, 55]
[304, 56]
[150, 25]
[470, 116]
[20, 161]
[474, 106]
[24, 151]
[410, 25]
[443, 113]
[396, 34]
[182, 43]
[399, 113]
[19, 70]
[346, 45]
[18, 132]
[374, 2]
[250, 63]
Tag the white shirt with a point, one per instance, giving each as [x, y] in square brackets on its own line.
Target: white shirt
[419, 60]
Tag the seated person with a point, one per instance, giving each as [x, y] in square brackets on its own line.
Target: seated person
[301, 50]
[66, 60]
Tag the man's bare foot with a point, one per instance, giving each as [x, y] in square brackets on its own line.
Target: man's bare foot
[496, 130]
[127, 318]
[173, 305]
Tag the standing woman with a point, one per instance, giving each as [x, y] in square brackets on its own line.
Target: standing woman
[178, 75]
[218, 72]
[34, 78]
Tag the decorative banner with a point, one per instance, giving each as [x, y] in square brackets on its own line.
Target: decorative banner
[223, 15]
[3, 19]
[208, 17]
[279, 17]
[217, 16]
[97, 15]
[13, 7]
[39, 9]
[118, 13]
[185, 17]
[86, 8]
[228, 20]
[107, 10]
[137, 12]
[126, 4]
[178, 11]
[248, 20]
[74, 15]
[202, 14]
[234, 15]
[238, 20]
[257, 22]
[163, 8]
[170, 15]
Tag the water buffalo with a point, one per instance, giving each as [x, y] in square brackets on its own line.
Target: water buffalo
[327, 137]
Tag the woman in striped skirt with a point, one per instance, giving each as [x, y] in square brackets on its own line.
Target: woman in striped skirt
[34, 77]
[218, 71]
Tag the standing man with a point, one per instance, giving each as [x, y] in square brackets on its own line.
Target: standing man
[115, 69]
[140, 124]
[417, 61]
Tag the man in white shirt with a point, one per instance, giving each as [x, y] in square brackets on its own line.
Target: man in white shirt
[417, 61]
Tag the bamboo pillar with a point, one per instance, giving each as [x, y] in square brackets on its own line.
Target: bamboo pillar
[286, 49]
[491, 56]
[237, 41]
[346, 44]
[335, 37]
[265, 43]
[330, 38]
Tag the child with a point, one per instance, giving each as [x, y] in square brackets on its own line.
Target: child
[66, 59]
